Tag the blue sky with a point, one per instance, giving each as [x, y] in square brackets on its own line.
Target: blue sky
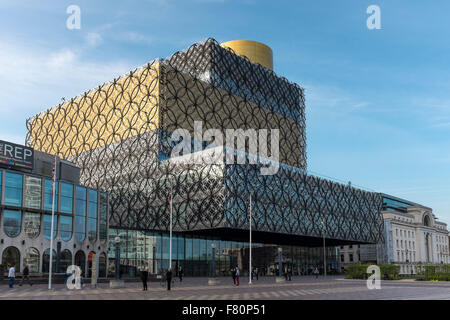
[378, 101]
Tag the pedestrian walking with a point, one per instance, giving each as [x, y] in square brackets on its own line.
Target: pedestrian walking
[26, 274]
[12, 276]
[316, 272]
[285, 273]
[290, 274]
[233, 275]
[169, 278]
[144, 278]
[180, 273]
[238, 273]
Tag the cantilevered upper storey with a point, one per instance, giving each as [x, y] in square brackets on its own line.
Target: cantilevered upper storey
[205, 83]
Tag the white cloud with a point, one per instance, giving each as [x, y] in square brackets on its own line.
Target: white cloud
[328, 97]
[136, 38]
[32, 80]
[93, 39]
[61, 59]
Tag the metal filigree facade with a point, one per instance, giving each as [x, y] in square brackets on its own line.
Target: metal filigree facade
[120, 136]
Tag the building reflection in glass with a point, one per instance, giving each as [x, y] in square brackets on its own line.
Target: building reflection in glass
[151, 249]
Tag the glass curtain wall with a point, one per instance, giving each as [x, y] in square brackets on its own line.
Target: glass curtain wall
[194, 254]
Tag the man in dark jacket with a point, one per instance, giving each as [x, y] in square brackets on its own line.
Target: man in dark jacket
[233, 275]
[169, 278]
[144, 278]
[26, 274]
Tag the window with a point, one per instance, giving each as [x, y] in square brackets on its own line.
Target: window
[102, 265]
[32, 192]
[65, 261]
[351, 257]
[12, 221]
[65, 227]
[46, 260]
[48, 197]
[48, 226]
[92, 215]
[80, 214]
[13, 189]
[11, 257]
[31, 258]
[67, 197]
[103, 216]
[32, 224]
[342, 258]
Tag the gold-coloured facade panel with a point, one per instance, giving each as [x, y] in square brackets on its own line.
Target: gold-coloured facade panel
[113, 112]
[256, 52]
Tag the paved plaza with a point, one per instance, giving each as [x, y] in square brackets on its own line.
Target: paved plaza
[300, 288]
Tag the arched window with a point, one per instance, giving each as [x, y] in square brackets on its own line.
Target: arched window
[11, 258]
[46, 260]
[12, 221]
[426, 221]
[80, 260]
[102, 265]
[65, 260]
[65, 227]
[31, 258]
[91, 257]
[32, 224]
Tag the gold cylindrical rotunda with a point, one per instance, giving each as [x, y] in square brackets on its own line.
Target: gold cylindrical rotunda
[256, 52]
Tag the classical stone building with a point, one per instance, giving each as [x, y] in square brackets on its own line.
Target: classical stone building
[413, 234]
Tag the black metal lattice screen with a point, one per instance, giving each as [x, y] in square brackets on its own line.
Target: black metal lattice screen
[119, 134]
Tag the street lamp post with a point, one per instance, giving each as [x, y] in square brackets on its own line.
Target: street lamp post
[324, 251]
[250, 248]
[213, 247]
[117, 262]
[280, 266]
[117, 283]
[280, 262]
[212, 281]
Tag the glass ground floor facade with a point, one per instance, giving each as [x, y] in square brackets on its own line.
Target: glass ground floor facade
[193, 253]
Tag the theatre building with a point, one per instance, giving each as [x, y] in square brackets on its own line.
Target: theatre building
[121, 136]
[80, 220]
